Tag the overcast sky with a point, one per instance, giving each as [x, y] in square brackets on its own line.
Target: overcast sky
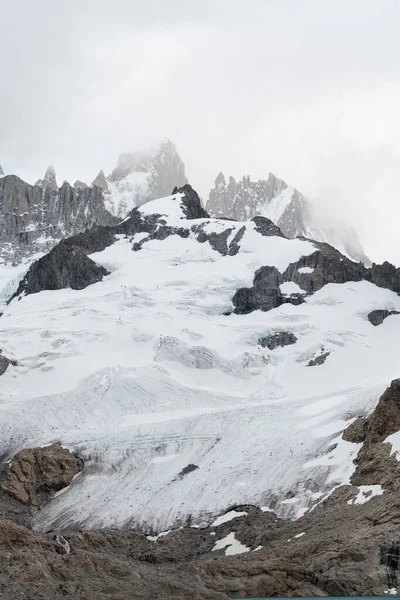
[306, 89]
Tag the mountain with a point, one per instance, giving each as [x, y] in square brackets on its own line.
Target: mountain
[285, 206]
[34, 218]
[190, 401]
[139, 178]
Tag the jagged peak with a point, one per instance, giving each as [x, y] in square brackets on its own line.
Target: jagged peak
[1, 171]
[80, 184]
[100, 181]
[220, 179]
[49, 179]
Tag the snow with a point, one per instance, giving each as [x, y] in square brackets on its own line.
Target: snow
[232, 514]
[275, 209]
[394, 439]
[391, 591]
[306, 270]
[366, 492]
[143, 375]
[289, 287]
[127, 193]
[232, 545]
[299, 535]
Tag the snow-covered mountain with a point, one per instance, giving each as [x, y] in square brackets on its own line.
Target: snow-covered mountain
[139, 178]
[194, 363]
[34, 218]
[286, 207]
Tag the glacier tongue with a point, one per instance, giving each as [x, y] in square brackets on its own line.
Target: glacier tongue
[173, 405]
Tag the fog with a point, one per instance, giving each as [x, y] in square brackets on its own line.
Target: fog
[306, 89]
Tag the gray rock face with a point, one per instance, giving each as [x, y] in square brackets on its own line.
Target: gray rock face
[165, 167]
[357, 431]
[33, 218]
[101, 181]
[285, 206]
[277, 340]
[49, 180]
[191, 203]
[376, 317]
[65, 266]
[1, 171]
[318, 360]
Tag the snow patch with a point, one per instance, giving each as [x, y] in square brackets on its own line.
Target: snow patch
[232, 545]
[232, 514]
[366, 492]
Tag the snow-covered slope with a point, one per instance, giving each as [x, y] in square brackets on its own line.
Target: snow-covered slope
[286, 207]
[175, 407]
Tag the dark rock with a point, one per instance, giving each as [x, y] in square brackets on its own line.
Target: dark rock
[191, 203]
[35, 474]
[277, 340]
[318, 360]
[4, 364]
[376, 317]
[266, 227]
[186, 470]
[66, 266]
[234, 245]
[357, 431]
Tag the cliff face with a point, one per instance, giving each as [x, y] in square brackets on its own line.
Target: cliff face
[34, 218]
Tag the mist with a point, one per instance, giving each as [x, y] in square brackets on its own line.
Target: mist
[307, 90]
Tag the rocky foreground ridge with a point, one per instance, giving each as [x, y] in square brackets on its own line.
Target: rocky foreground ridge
[349, 544]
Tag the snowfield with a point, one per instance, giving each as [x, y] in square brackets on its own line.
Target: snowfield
[174, 407]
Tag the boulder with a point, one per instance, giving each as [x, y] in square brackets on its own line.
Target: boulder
[376, 317]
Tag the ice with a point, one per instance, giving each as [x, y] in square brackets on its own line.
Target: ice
[306, 270]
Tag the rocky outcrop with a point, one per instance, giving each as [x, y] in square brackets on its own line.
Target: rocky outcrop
[66, 266]
[311, 273]
[266, 227]
[278, 339]
[1, 171]
[5, 363]
[191, 203]
[376, 465]
[357, 431]
[36, 474]
[318, 360]
[376, 317]
[101, 181]
[49, 180]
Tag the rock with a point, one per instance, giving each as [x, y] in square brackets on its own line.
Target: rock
[277, 340]
[357, 431]
[318, 360]
[35, 474]
[33, 219]
[266, 227]
[264, 295]
[376, 317]
[101, 181]
[5, 363]
[1, 171]
[191, 203]
[66, 266]
[80, 185]
[376, 465]
[49, 180]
